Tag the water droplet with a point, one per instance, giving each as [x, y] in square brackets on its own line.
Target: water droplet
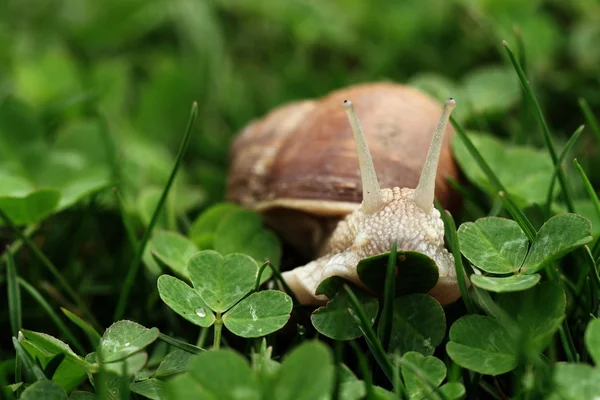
[127, 344]
[200, 312]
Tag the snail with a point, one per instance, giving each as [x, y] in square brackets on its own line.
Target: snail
[298, 166]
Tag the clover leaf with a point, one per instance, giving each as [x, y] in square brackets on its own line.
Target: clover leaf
[502, 284]
[222, 281]
[259, 314]
[482, 344]
[124, 338]
[334, 320]
[558, 236]
[415, 272]
[173, 250]
[185, 301]
[499, 246]
[496, 245]
[418, 324]
[426, 371]
[221, 284]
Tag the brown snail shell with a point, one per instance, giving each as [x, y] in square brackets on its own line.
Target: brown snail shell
[298, 165]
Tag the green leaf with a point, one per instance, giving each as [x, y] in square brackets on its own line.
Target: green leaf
[173, 250]
[123, 338]
[513, 283]
[418, 324]
[75, 182]
[185, 387]
[52, 345]
[185, 301]
[491, 90]
[91, 333]
[222, 281]
[242, 232]
[355, 390]
[151, 388]
[204, 227]
[225, 374]
[525, 172]
[69, 375]
[31, 207]
[592, 340]
[175, 362]
[25, 359]
[415, 272]
[538, 313]
[431, 372]
[259, 314]
[495, 245]
[70, 371]
[334, 320]
[560, 235]
[483, 345]
[306, 374]
[452, 390]
[113, 386]
[44, 390]
[576, 381]
[81, 395]
[130, 365]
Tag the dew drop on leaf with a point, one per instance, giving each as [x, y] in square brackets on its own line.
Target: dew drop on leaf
[200, 312]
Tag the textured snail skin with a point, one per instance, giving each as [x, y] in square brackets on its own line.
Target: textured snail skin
[362, 235]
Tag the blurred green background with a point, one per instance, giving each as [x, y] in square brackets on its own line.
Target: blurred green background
[96, 94]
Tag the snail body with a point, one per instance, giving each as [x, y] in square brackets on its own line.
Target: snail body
[298, 166]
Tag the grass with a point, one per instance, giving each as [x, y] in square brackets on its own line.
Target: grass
[93, 113]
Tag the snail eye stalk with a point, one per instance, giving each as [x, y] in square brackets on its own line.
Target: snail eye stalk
[424, 192]
[372, 197]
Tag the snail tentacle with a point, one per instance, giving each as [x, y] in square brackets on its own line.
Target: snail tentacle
[372, 198]
[424, 192]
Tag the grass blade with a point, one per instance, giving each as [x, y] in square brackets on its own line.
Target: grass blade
[477, 156]
[588, 187]
[592, 274]
[593, 197]
[14, 297]
[91, 333]
[422, 376]
[374, 344]
[338, 350]
[260, 272]
[591, 119]
[14, 306]
[546, 131]
[126, 221]
[16, 244]
[190, 348]
[28, 361]
[389, 293]
[518, 215]
[561, 158]
[510, 205]
[284, 284]
[46, 263]
[135, 265]
[53, 316]
[452, 238]
[363, 366]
